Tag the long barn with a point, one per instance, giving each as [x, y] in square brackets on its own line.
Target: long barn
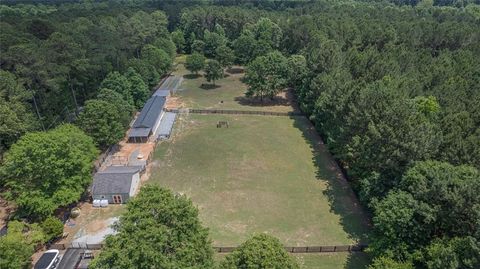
[148, 120]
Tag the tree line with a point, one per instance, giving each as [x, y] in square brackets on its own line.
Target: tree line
[393, 91]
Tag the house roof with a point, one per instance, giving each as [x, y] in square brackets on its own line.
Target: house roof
[114, 179]
[150, 112]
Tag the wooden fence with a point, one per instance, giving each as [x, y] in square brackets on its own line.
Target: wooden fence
[235, 112]
[307, 249]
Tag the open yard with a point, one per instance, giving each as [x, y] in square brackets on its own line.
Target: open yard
[262, 174]
[196, 92]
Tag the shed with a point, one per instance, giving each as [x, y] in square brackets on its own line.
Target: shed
[116, 184]
[148, 120]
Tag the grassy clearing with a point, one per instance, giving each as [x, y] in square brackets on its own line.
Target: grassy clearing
[263, 174]
[227, 94]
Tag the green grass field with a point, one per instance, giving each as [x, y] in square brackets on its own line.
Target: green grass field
[263, 174]
[228, 93]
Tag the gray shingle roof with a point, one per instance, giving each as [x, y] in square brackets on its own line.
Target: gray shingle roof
[150, 112]
[114, 180]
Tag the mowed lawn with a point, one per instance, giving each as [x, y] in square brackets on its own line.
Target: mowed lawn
[262, 174]
[229, 92]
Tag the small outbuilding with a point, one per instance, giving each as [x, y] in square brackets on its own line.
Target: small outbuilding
[117, 184]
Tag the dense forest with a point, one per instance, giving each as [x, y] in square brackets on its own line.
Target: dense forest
[393, 87]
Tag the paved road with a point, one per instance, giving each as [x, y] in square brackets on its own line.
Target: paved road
[70, 258]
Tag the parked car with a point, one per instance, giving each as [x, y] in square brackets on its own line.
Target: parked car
[49, 260]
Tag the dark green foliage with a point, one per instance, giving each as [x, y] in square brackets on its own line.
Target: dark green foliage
[213, 71]
[213, 41]
[46, 170]
[52, 227]
[62, 54]
[451, 254]
[17, 246]
[224, 55]
[147, 71]
[138, 88]
[260, 38]
[157, 58]
[435, 200]
[101, 120]
[260, 251]
[389, 263]
[16, 114]
[123, 108]
[179, 40]
[266, 75]
[160, 230]
[120, 84]
[195, 62]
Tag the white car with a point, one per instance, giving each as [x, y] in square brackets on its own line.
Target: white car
[48, 260]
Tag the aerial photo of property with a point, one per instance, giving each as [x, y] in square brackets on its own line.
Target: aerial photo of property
[239, 134]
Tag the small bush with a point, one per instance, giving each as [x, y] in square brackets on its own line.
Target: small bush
[52, 227]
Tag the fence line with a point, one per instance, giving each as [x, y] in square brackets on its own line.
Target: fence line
[234, 112]
[307, 249]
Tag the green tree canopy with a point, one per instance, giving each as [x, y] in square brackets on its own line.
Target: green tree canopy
[195, 62]
[435, 200]
[17, 246]
[123, 108]
[260, 251]
[17, 117]
[52, 227]
[213, 40]
[118, 83]
[179, 40]
[159, 229]
[213, 71]
[139, 89]
[266, 75]
[157, 58]
[389, 263]
[101, 120]
[46, 170]
[148, 72]
[225, 56]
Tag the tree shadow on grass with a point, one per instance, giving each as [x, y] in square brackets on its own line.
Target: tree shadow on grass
[358, 260]
[209, 86]
[235, 70]
[343, 201]
[255, 101]
[191, 76]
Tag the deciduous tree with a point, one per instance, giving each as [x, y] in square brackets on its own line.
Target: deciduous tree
[260, 251]
[159, 229]
[101, 120]
[46, 170]
[195, 62]
[213, 71]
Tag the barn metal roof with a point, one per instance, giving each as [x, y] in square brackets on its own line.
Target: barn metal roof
[150, 112]
[139, 132]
